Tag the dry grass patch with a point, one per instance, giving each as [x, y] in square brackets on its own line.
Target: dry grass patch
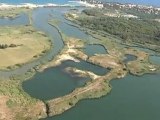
[28, 45]
[15, 104]
[105, 60]
[12, 12]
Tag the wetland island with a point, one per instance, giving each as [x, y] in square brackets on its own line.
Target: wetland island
[102, 59]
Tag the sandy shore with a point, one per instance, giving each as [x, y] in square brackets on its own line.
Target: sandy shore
[27, 5]
[86, 4]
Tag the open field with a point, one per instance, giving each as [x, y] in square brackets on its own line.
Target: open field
[20, 45]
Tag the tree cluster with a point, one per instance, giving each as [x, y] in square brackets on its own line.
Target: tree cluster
[137, 30]
[4, 46]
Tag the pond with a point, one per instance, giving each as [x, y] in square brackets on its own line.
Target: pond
[154, 59]
[91, 50]
[129, 57]
[55, 81]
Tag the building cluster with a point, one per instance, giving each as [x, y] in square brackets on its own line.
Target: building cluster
[116, 5]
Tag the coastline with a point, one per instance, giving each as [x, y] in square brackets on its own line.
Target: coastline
[4, 6]
[79, 3]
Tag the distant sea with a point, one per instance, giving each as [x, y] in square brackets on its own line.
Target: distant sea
[61, 2]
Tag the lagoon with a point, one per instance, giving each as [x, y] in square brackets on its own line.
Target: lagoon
[132, 98]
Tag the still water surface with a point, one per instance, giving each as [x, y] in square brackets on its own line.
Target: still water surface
[55, 81]
[22, 19]
[132, 98]
[155, 59]
[91, 50]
